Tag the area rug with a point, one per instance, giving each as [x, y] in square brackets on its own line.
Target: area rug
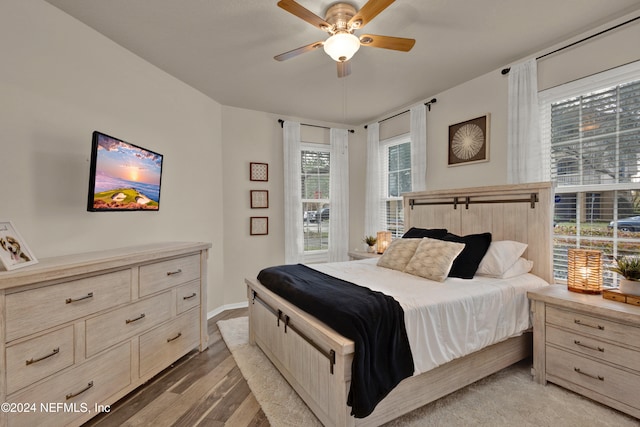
[509, 397]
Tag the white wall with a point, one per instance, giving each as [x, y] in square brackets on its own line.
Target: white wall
[59, 81]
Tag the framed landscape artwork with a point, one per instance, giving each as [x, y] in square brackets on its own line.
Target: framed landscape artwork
[469, 141]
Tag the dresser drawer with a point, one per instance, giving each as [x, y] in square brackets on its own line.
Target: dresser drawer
[594, 347]
[591, 325]
[79, 388]
[163, 275]
[38, 358]
[39, 309]
[168, 342]
[188, 296]
[110, 328]
[596, 376]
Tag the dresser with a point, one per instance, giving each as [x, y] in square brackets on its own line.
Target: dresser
[82, 331]
[589, 345]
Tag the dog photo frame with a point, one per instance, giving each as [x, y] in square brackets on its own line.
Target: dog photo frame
[14, 252]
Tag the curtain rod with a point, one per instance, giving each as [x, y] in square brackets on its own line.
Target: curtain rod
[506, 70]
[314, 126]
[428, 104]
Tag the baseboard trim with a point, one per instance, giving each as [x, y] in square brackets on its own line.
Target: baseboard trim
[226, 307]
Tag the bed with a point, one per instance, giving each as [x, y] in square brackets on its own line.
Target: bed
[316, 360]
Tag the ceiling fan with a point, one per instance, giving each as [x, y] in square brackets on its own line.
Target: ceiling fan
[341, 20]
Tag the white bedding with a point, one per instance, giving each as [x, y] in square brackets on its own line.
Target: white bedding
[450, 319]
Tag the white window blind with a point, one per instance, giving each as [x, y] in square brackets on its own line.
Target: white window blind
[314, 179]
[591, 133]
[396, 157]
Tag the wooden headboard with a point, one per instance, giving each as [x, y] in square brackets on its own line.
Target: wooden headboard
[521, 212]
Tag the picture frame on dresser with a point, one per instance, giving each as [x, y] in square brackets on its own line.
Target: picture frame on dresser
[14, 252]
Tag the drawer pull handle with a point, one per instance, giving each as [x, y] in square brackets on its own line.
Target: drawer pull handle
[72, 395]
[595, 377]
[190, 296]
[53, 353]
[590, 347]
[578, 322]
[87, 296]
[142, 316]
[174, 338]
[171, 273]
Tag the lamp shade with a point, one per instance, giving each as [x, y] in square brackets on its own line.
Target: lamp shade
[584, 271]
[342, 46]
[383, 240]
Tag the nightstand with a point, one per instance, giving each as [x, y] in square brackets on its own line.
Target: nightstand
[589, 345]
[354, 255]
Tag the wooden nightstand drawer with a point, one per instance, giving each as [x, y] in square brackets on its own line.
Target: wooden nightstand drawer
[594, 347]
[595, 326]
[39, 309]
[37, 358]
[109, 328]
[168, 342]
[79, 388]
[163, 275]
[598, 377]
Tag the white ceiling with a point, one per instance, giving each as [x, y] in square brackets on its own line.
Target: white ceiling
[225, 48]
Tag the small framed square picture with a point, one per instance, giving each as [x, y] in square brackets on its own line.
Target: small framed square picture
[259, 199]
[259, 226]
[258, 171]
[14, 252]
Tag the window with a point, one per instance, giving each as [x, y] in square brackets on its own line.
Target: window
[592, 131]
[396, 157]
[314, 179]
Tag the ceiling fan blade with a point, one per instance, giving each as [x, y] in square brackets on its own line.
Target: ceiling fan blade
[298, 51]
[305, 14]
[344, 68]
[369, 11]
[386, 42]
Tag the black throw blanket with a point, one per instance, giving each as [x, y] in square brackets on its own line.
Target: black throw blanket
[373, 320]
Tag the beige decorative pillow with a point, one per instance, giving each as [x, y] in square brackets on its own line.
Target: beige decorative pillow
[433, 259]
[398, 254]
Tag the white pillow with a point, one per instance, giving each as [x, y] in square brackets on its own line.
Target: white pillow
[521, 266]
[433, 259]
[500, 256]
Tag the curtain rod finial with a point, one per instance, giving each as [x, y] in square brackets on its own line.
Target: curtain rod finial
[505, 71]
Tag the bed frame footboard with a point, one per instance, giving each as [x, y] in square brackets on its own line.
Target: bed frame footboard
[316, 362]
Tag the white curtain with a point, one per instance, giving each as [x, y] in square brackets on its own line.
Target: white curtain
[419, 147]
[524, 147]
[293, 233]
[374, 177]
[339, 194]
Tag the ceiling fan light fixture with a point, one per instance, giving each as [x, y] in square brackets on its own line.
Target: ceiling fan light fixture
[341, 46]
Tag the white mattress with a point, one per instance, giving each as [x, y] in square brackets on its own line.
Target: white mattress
[450, 319]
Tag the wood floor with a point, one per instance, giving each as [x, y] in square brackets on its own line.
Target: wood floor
[200, 389]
